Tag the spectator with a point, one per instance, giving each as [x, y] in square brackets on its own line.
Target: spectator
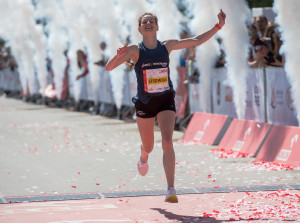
[221, 59]
[65, 86]
[82, 64]
[102, 62]
[2, 61]
[256, 57]
[12, 61]
[275, 43]
[261, 25]
[82, 105]
[192, 70]
[7, 59]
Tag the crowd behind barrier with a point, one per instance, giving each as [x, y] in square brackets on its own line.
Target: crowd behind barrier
[268, 90]
[268, 99]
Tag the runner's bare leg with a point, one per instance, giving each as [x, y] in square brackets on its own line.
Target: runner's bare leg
[166, 122]
[146, 129]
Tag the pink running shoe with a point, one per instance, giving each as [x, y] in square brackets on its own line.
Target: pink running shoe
[142, 167]
[171, 196]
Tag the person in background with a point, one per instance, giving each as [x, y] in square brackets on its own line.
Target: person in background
[221, 58]
[65, 86]
[102, 62]
[261, 25]
[83, 66]
[275, 43]
[258, 50]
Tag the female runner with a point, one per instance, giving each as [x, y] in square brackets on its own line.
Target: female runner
[155, 93]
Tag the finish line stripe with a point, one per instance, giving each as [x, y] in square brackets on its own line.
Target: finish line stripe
[146, 193]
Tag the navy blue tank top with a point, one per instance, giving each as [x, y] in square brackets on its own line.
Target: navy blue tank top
[152, 73]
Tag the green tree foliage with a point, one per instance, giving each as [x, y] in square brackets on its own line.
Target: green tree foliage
[260, 3]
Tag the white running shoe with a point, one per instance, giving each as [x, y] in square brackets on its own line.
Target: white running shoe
[142, 167]
[171, 196]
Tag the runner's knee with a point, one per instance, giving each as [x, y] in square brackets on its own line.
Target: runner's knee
[167, 145]
[148, 148]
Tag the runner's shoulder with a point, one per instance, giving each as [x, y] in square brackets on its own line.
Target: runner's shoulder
[133, 48]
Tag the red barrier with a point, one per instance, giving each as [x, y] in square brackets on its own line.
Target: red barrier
[282, 146]
[205, 128]
[244, 136]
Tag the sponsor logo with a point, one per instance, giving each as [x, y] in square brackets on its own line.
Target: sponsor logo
[163, 64]
[277, 98]
[284, 154]
[238, 145]
[228, 96]
[273, 99]
[289, 99]
[195, 94]
[139, 112]
[219, 93]
[257, 95]
[198, 136]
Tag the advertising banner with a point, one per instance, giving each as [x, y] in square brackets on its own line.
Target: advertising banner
[205, 128]
[280, 109]
[181, 93]
[281, 146]
[255, 102]
[194, 98]
[222, 94]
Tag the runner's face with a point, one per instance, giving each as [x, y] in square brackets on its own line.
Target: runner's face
[148, 25]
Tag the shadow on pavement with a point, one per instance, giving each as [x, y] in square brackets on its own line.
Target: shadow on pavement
[184, 218]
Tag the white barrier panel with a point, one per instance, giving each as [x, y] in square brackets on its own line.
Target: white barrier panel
[222, 94]
[105, 89]
[280, 109]
[133, 84]
[89, 86]
[10, 80]
[83, 92]
[126, 100]
[194, 98]
[2, 79]
[255, 103]
[181, 93]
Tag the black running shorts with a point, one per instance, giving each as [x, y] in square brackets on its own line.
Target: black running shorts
[155, 105]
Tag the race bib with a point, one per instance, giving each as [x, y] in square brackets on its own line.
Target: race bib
[156, 80]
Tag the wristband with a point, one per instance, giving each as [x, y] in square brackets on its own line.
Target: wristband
[218, 26]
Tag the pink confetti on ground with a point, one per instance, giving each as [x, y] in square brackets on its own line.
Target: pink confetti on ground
[223, 153]
[274, 166]
[281, 204]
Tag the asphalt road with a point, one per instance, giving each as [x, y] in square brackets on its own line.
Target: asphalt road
[53, 151]
[49, 152]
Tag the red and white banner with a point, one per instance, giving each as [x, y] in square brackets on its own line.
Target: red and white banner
[280, 109]
[282, 146]
[204, 128]
[244, 136]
